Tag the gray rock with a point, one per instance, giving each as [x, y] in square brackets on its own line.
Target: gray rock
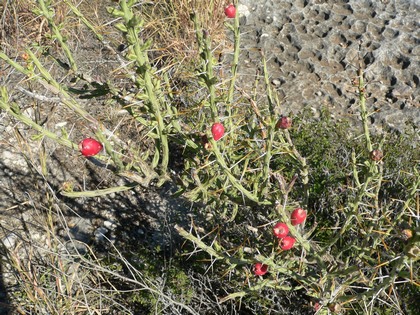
[331, 39]
[10, 241]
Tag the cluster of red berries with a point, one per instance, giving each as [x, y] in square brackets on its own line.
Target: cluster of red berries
[281, 231]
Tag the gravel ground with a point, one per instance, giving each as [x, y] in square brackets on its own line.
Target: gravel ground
[315, 47]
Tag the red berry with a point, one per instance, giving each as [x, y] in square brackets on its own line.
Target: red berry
[280, 230]
[217, 130]
[284, 122]
[90, 147]
[260, 269]
[230, 11]
[287, 242]
[298, 216]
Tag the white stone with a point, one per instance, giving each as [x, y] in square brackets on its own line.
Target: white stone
[110, 225]
[10, 241]
[243, 10]
[61, 124]
[15, 159]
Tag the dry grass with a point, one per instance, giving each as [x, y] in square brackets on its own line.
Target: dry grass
[174, 47]
[18, 24]
[170, 25]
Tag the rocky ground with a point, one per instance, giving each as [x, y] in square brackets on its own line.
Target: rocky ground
[314, 49]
